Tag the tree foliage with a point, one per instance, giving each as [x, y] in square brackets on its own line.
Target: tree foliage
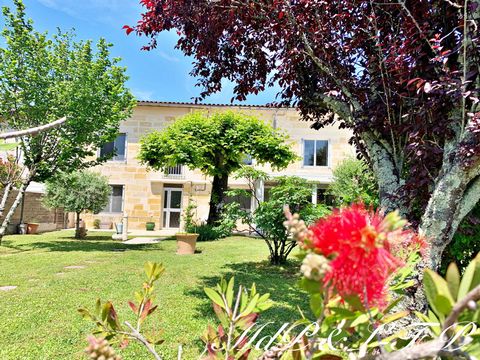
[217, 145]
[78, 192]
[403, 75]
[43, 79]
[353, 181]
[267, 219]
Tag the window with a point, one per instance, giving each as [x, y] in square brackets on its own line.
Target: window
[244, 201]
[116, 147]
[115, 203]
[315, 153]
[324, 198]
[247, 160]
[174, 171]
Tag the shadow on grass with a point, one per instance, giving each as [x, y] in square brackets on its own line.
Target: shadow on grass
[280, 282]
[97, 243]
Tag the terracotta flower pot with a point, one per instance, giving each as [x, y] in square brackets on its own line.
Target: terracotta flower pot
[32, 228]
[186, 243]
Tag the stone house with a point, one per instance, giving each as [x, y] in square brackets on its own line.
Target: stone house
[146, 195]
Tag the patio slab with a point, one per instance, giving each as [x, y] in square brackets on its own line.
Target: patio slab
[142, 240]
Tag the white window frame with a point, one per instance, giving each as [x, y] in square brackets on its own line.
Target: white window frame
[167, 210]
[110, 198]
[329, 154]
[99, 150]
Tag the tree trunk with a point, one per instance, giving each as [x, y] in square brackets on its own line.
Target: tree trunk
[6, 193]
[387, 175]
[14, 206]
[452, 199]
[219, 187]
[77, 227]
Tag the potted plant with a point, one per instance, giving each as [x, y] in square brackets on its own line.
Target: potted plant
[96, 224]
[32, 226]
[150, 225]
[187, 241]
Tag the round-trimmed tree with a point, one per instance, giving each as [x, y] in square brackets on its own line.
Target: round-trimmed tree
[77, 192]
[216, 144]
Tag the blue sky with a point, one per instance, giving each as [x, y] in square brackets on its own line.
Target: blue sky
[162, 74]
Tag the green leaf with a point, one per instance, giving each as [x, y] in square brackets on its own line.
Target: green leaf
[453, 279]
[316, 304]
[393, 317]
[215, 297]
[86, 314]
[251, 305]
[362, 319]
[437, 292]
[229, 292]
[470, 277]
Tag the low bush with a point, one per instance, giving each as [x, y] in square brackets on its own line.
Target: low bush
[207, 232]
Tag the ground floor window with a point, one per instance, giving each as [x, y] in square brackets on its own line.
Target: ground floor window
[244, 201]
[115, 202]
[323, 197]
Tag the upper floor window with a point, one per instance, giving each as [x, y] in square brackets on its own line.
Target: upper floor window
[117, 147]
[115, 202]
[174, 171]
[315, 153]
[247, 160]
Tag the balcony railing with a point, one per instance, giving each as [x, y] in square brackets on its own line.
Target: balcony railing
[174, 172]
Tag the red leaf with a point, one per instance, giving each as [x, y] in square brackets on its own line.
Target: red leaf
[128, 29]
[133, 307]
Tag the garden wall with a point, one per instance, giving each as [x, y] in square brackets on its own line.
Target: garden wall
[35, 212]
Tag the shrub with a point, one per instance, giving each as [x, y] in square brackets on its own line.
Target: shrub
[207, 232]
[354, 181]
[96, 224]
[268, 218]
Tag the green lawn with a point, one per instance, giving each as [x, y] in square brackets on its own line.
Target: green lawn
[38, 320]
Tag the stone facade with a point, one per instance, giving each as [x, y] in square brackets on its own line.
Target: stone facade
[35, 212]
[144, 190]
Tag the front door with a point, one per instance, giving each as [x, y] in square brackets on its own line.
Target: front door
[172, 208]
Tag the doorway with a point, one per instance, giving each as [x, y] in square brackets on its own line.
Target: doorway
[172, 208]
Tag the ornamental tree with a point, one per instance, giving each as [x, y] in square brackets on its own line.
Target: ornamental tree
[353, 181]
[43, 79]
[78, 192]
[403, 75]
[267, 219]
[217, 145]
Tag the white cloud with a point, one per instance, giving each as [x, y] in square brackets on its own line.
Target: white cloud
[166, 56]
[98, 10]
[142, 94]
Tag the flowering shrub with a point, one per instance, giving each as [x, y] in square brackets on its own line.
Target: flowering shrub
[354, 252]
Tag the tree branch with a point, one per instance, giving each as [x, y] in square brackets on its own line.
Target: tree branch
[139, 337]
[33, 131]
[435, 347]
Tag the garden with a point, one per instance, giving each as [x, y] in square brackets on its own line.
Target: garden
[389, 271]
[56, 274]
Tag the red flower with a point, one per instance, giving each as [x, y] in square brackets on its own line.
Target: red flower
[358, 242]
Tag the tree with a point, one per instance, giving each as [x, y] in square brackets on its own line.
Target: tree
[403, 75]
[78, 192]
[43, 79]
[217, 145]
[267, 218]
[353, 181]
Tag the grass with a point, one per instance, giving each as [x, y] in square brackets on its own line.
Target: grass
[38, 320]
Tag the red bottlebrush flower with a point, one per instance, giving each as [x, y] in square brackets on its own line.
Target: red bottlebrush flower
[358, 242]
